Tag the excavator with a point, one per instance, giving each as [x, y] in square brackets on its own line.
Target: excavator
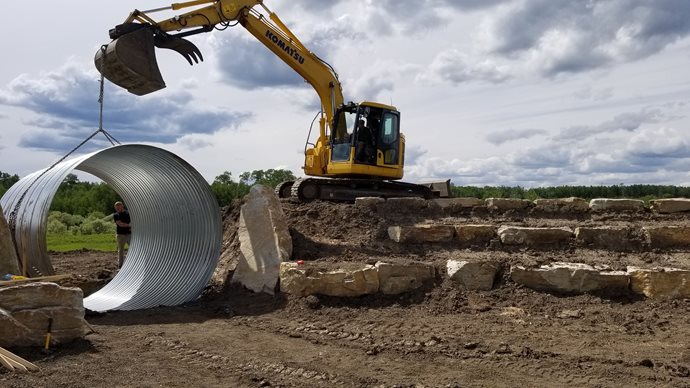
[359, 152]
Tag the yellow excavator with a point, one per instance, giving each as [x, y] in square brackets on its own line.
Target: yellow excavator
[359, 151]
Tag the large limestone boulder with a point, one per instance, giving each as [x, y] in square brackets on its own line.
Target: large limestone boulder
[615, 205]
[657, 283]
[570, 278]
[8, 255]
[406, 204]
[399, 278]
[265, 241]
[477, 275]
[368, 203]
[459, 202]
[503, 204]
[670, 205]
[667, 236]
[421, 233]
[608, 237]
[304, 280]
[474, 235]
[561, 205]
[25, 311]
[515, 235]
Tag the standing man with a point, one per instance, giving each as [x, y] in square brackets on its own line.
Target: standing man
[365, 141]
[124, 231]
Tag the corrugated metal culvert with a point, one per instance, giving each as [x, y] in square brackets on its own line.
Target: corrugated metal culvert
[176, 225]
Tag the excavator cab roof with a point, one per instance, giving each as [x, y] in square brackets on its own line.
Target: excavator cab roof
[378, 105]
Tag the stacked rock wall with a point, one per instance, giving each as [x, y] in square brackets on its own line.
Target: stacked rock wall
[536, 244]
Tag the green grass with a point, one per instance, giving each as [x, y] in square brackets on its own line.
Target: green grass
[70, 242]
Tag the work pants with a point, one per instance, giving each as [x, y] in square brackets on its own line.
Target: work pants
[122, 239]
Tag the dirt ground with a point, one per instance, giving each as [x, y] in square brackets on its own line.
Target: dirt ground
[438, 336]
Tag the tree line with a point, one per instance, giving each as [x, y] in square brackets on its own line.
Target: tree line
[84, 198]
[645, 192]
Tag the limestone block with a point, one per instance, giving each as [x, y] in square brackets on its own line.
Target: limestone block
[459, 202]
[421, 233]
[570, 278]
[11, 329]
[369, 203]
[294, 280]
[407, 204]
[607, 237]
[515, 235]
[303, 280]
[667, 236]
[504, 204]
[399, 278]
[474, 234]
[265, 241]
[26, 310]
[39, 295]
[609, 204]
[660, 282]
[349, 283]
[671, 205]
[64, 318]
[562, 205]
[8, 256]
[478, 275]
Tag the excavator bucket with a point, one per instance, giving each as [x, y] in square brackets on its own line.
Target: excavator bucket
[130, 62]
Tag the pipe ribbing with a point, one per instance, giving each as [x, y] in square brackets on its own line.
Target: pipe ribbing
[176, 225]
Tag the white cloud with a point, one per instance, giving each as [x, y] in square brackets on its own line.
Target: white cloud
[66, 108]
[455, 67]
[562, 36]
[500, 137]
[628, 122]
[661, 143]
[630, 148]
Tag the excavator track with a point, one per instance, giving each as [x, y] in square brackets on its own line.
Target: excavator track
[347, 190]
[284, 189]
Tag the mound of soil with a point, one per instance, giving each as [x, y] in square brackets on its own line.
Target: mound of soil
[439, 336]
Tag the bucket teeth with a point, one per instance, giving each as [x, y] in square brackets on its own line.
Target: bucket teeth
[184, 47]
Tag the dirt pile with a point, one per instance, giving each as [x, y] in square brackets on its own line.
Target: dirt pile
[436, 336]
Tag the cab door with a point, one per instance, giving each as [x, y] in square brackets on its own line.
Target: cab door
[389, 140]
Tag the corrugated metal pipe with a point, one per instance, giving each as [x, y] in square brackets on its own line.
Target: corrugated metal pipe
[176, 225]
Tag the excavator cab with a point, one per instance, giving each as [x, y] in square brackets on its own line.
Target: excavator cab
[366, 141]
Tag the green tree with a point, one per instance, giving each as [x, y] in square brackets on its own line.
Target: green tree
[226, 189]
[270, 177]
[82, 198]
[6, 181]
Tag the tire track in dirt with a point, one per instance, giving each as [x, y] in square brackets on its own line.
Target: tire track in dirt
[423, 343]
[262, 371]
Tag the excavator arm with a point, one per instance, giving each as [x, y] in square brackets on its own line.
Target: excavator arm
[129, 60]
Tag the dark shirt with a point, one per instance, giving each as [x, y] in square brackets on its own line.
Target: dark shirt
[366, 136]
[124, 217]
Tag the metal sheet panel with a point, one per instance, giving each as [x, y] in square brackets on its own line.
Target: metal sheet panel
[176, 225]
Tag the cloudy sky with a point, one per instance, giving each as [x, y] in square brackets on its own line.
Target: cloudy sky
[492, 92]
